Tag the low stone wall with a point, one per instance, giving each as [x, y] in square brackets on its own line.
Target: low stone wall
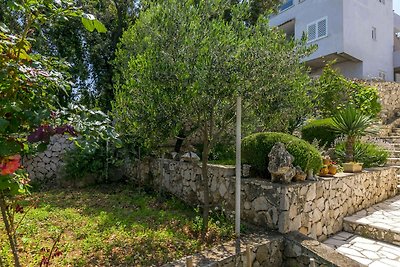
[265, 250]
[314, 208]
[47, 165]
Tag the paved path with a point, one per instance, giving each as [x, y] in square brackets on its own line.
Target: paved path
[372, 236]
[366, 251]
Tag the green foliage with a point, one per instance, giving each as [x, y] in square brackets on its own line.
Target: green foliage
[371, 155]
[351, 122]
[334, 92]
[256, 147]
[189, 66]
[223, 153]
[111, 225]
[30, 88]
[99, 163]
[320, 130]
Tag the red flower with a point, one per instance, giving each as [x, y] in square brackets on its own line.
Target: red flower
[10, 164]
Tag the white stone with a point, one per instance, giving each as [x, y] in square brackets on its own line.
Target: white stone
[260, 204]
[311, 193]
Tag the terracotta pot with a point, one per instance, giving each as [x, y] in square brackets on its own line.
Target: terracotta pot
[332, 169]
[326, 161]
[324, 171]
[352, 167]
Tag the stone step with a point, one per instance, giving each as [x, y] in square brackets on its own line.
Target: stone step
[380, 222]
[393, 161]
[366, 251]
[395, 153]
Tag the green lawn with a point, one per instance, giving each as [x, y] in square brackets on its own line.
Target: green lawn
[110, 226]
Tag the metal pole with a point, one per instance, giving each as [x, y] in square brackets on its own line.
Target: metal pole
[238, 164]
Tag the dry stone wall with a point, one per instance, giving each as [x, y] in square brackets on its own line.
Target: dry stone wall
[46, 165]
[265, 250]
[314, 208]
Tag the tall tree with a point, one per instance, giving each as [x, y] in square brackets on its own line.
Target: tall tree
[182, 65]
[89, 54]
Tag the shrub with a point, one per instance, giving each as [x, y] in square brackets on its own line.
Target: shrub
[98, 163]
[371, 155]
[334, 92]
[256, 147]
[320, 130]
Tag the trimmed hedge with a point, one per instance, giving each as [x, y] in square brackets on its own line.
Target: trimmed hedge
[320, 130]
[371, 155]
[256, 147]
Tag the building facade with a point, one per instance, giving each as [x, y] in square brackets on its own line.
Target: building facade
[360, 35]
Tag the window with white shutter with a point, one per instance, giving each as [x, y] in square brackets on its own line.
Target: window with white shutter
[317, 29]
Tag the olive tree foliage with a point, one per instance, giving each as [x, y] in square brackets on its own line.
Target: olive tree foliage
[182, 66]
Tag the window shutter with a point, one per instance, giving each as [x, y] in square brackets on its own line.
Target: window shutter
[312, 32]
[322, 28]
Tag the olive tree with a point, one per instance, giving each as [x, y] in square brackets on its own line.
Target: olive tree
[182, 65]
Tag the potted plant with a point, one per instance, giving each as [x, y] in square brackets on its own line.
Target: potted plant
[353, 124]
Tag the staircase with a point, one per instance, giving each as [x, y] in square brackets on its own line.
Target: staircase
[371, 236]
[394, 159]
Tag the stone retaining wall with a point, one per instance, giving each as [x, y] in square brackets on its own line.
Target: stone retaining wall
[265, 250]
[46, 166]
[314, 208]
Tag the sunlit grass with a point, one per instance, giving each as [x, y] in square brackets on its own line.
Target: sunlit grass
[110, 226]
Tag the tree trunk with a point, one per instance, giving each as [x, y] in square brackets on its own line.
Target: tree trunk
[13, 243]
[204, 171]
[350, 143]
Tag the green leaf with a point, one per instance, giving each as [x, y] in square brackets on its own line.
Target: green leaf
[3, 125]
[88, 24]
[4, 28]
[99, 26]
[42, 147]
[9, 148]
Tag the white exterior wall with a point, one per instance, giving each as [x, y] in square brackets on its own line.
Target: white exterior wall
[350, 25]
[359, 18]
[309, 11]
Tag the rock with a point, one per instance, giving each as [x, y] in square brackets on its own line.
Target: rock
[190, 157]
[280, 164]
[262, 254]
[300, 176]
[260, 204]
[246, 170]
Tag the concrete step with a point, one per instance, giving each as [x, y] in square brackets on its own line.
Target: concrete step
[393, 161]
[366, 251]
[380, 222]
[395, 153]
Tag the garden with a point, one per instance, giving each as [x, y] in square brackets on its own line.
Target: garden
[127, 82]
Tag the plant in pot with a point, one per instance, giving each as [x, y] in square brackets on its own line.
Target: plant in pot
[353, 124]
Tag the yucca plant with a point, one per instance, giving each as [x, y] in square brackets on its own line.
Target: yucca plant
[353, 124]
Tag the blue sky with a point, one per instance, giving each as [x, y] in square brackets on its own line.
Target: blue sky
[396, 6]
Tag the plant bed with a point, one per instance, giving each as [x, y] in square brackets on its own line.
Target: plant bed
[110, 225]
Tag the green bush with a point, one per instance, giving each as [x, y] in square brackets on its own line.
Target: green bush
[320, 130]
[256, 147]
[371, 155]
[97, 162]
[334, 92]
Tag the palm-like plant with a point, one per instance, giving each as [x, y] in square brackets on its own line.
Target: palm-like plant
[352, 123]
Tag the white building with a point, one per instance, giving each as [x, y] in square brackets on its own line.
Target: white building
[359, 34]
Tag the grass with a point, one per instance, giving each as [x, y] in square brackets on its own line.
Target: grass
[110, 226]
